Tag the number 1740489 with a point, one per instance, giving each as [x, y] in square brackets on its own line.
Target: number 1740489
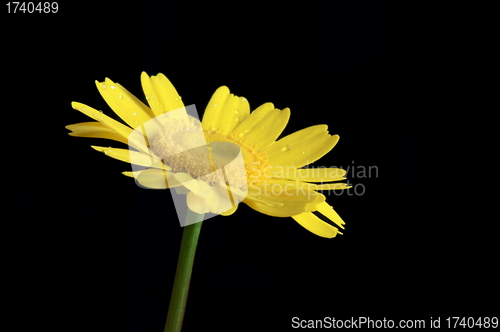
[32, 7]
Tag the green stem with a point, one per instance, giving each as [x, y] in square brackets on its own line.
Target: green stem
[180, 290]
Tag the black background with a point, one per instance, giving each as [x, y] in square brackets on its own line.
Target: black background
[400, 83]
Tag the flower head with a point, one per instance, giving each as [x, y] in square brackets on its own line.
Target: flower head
[271, 179]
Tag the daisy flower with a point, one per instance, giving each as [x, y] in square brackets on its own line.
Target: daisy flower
[274, 181]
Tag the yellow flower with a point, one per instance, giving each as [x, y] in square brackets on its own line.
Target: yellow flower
[275, 183]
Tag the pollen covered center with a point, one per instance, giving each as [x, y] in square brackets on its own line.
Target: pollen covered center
[186, 147]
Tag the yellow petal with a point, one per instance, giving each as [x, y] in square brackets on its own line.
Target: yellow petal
[95, 129]
[168, 96]
[282, 198]
[198, 187]
[133, 157]
[215, 108]
[185, 178]
[230, 211]
[204, 189]
[199, 204]
[326, 210]
[317, 174]
[237, 195]
[225, 111]
[124, 104]
[104, 119]
[235, 111]
[254, 119]
[328, 186]
[151, 97]
[302, 147]
[154, 178]
[160, 94]
[269, 129]
[131, 174]
[264, 201]
[291, 185]
[315, 225]
[224, 202]
[112, 124]
[218, 203]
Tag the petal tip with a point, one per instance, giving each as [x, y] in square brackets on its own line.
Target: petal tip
[223, 89]
[98, 148]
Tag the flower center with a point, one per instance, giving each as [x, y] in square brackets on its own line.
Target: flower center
[175, 147]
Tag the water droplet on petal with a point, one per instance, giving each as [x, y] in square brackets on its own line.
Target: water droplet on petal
[121, 96]
[104, 86]
[216, 104]
[113, 87]
[285, 148]
[303, 152]
[135, 113]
